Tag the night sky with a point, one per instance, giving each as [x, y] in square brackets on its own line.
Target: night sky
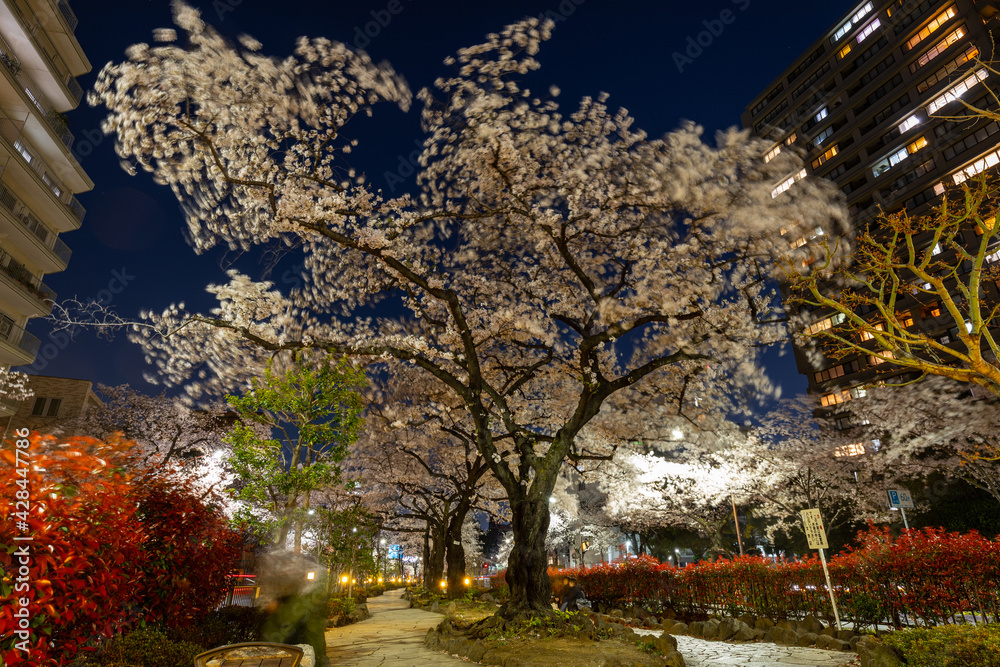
[131, 249]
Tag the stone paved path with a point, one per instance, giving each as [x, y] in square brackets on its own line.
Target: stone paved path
[705, 653]
[392, 637]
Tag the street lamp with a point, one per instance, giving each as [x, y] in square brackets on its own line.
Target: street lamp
[677, 556]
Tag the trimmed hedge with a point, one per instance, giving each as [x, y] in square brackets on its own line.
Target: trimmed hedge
[924, 577]
[948, 645]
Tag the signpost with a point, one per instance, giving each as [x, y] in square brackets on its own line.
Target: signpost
[812, 522]
[901, 500]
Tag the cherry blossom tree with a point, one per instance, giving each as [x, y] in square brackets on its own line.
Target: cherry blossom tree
[550, 261]
[165, 430]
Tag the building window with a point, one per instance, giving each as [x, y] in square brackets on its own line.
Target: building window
[823, 136]
[821, 114]
[835, 372]
[881, 358]
[851, 22]
[869, 29]
[47, 407]
[893, 159]
[980, 165]
[787, 183]
[838, 397]
[908, 123]
[945, 71]
[932, 310]
[773, 153]
[824, 324]
[936, 23]
[957, 90]
[867, 334]
[824, 157]
[853, 449]
[939, 48]
[844, 51]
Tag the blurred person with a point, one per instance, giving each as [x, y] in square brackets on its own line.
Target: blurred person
[296, 604]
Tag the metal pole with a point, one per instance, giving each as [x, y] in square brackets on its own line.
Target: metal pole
[905, 524]
[829, 588]
[736, 520]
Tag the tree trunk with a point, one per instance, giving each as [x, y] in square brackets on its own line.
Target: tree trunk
[435, 563]
[527, 567]
[455, 552]
[426, 559]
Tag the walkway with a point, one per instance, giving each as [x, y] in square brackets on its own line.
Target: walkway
[705, 653]
[392, 637]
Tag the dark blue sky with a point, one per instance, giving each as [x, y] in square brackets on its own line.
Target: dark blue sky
[638, 51]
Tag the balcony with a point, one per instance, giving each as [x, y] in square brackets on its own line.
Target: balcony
[43, 46]
[31, 158]
[57, 250]
[67, 13]
[51, 117]
[13, 270]
[17, 346]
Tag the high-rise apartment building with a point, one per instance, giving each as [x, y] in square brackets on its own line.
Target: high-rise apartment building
[39, 173]
[860, 102]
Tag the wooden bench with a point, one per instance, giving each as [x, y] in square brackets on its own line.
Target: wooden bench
[292, 657]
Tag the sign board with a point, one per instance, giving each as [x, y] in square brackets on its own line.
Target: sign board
[394, 552]
[900, 498]
[813, 524]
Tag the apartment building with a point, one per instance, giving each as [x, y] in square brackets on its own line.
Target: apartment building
[859, 103]
[39, 173]
[55, 401]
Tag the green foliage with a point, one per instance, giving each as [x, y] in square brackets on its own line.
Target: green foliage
[311, 413]
[345, 539]
[230, 625]
[948, 645]
[344, 605]
[146, 647]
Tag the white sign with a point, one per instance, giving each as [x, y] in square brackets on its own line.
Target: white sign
[900, 498]
[813, 524]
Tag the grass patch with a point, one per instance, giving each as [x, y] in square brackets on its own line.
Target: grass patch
[948, 645]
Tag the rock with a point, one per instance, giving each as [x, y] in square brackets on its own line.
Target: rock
[808, 639]
[630, 635]
[727, 628]
[666, 643]
[600, 624]
[696, 628]
[783, 636]
[823, 641]
[764, 624]
[809, 625]
[840, 645]
[670, 615]
[873, 654]
[829, 632]
[711, 629]
[616, 613]
[434, 607]
[667, 626]
[845, 635]
[744, 633]
[759, 634]
[785, 624]
[452, 609]
[679, 629]
[477, 651]
[308, 656]
[673, 659]
[486, 597]
[748, 619]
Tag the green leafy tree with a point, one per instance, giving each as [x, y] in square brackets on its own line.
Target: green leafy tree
[294, 427]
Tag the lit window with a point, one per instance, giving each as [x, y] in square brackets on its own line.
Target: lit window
[986, 225]
[938, 21]
[968, 327]
[820, 115]
[825, 156]
[881, 358]
[835, 398]
[824, 324]
[798, 243]
[980, 165]
[823, 136]
[869, 29]
[853, 449]
[933, 310]
[908, 124]
[939, 48]
[866, 334]
[906, 320]
[773, 153]
[844, 51]
[992, 257]
[945, 72]
[936, 250]
[791, 140]
[787, 183]
[851, 22]
[939, 188]
[957, 90]
[892, 160]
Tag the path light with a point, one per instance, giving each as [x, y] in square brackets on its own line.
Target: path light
[344, 579]
[676, 434]
[466, 581]
[310, 575]
[444, 583]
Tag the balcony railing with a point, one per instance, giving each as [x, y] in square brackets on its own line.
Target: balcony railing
[46, 48]
[10, 131]
[68, 14]
[25, 278]
[16, 336]
[52, 117]
[23, 214]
